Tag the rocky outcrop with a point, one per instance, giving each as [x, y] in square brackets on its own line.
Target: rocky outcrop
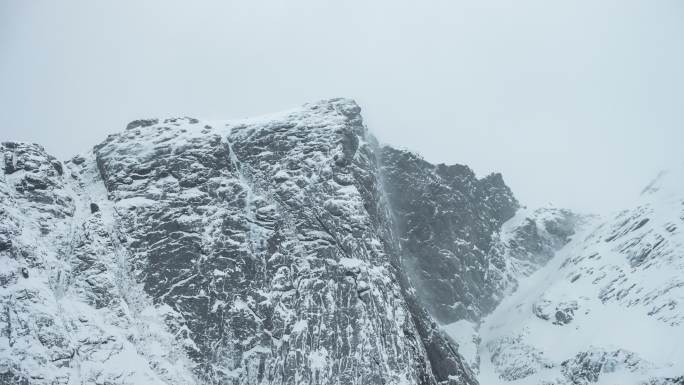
[589, 366]
[446, 219]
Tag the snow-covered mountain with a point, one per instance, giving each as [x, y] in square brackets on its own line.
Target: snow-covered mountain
[606, 309]
[294, 249]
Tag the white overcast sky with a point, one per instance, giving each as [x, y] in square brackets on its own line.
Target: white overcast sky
[577, 103]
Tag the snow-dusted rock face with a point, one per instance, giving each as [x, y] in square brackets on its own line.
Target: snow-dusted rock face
[606, 309]
[293, 249]
[70, 314]
[263, 251]
[271, 242]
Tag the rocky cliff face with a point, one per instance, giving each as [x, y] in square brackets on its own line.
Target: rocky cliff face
[294, 249]
[256, 252]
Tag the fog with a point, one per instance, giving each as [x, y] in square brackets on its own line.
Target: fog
[577, 103]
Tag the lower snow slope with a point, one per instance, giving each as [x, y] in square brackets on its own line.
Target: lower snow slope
[606, 309]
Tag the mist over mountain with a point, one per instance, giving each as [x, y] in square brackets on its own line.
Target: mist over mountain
[578, 104]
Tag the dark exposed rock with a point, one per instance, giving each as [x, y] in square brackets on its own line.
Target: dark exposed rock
[94, 208]
[35, 176]
[587, 367]
[78, 160]
[5, 240]
[141, 123]
[564, 316]
[665, 381]
[561, 313]
[58, 167]
[13, 377]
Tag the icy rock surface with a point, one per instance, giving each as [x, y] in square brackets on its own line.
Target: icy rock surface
[263, 251]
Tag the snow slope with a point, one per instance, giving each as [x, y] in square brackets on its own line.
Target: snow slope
[606, 309]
